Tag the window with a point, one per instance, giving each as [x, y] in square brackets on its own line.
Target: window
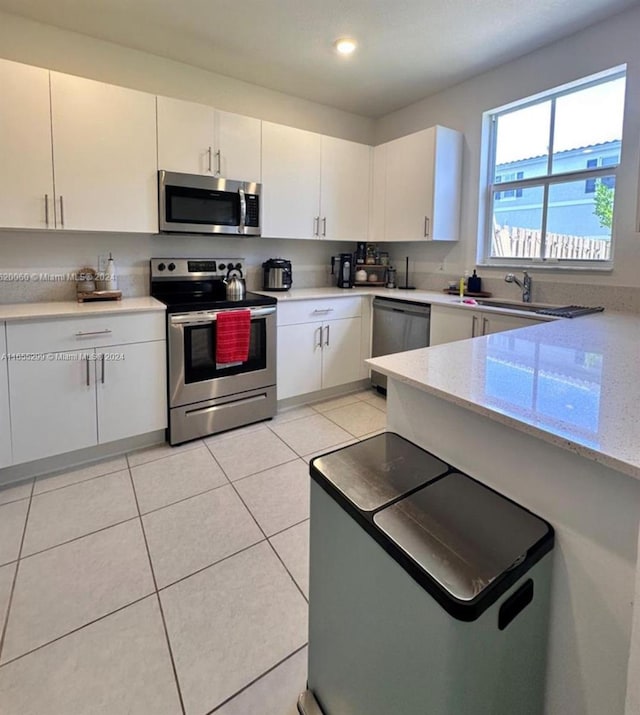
[552, 173]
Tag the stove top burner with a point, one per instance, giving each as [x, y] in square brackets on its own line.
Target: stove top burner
[191, 284]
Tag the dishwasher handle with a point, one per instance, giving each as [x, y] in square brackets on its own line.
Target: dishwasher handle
[400, 306]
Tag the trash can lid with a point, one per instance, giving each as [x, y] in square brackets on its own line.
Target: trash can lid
[462, 534]
[378, 470]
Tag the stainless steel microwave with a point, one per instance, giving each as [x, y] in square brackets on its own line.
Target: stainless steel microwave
[190, 203]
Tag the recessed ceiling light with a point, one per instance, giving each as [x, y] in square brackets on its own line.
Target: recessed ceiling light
[345, 45]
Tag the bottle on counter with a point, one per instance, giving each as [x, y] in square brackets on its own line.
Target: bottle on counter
[111, 280]
[474, 284]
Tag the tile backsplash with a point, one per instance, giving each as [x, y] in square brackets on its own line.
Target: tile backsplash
[29, 258]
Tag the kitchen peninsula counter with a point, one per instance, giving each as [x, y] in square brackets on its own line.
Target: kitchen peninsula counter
[549, 415]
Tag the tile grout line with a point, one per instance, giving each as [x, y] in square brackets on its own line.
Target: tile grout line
[211, 565]
[77, 538]
[7, 614]
[286, 528]
[269, 543]
[76, 630]
[157, 594]
[255, 680]
[80, 481]
[183, 499]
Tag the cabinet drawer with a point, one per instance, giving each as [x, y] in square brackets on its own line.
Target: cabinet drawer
[311, 311]
[35, 336]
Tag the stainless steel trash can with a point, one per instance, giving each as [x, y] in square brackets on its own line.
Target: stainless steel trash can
[429, 592]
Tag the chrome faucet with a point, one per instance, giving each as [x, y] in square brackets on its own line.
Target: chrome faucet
[525, 285]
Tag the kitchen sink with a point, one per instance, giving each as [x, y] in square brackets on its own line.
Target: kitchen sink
[514, 305]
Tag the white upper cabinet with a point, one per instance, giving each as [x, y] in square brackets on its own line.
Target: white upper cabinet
[198, 139]
[314, 186]
[344, 190]
[26, 172]
[185, 136]
[104, 144]
[291, 182]
[422, 175]
[378, 192]
[238, 142]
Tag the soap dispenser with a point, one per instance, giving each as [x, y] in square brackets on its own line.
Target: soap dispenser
[474, 284]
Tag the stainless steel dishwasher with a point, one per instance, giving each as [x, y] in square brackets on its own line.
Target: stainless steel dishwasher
[398, 325]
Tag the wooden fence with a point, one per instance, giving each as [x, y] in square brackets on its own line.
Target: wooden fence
[514, 242]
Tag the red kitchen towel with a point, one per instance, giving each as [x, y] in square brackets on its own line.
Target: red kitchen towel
[232, 336]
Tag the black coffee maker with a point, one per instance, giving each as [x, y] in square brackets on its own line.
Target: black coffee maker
[345, 270]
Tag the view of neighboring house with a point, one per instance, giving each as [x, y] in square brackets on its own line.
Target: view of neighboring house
[572, 211]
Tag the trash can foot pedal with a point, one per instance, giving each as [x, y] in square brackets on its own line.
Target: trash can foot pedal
[308, 705]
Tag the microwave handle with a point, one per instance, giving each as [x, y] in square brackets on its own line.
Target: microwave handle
[243, 211]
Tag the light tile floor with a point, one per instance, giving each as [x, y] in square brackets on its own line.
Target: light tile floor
[172, 580]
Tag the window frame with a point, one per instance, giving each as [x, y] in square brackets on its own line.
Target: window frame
[544, 181]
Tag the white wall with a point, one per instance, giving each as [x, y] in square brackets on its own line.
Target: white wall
[607, 44]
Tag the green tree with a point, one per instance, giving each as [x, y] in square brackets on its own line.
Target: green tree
[603, 208]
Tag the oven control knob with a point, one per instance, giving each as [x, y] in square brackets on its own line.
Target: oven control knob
[239, 266]
[161, 266]
[229, 266]
[171, 266]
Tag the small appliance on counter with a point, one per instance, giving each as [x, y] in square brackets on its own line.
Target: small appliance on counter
[391, 277]
[277, 274]
[345, 269]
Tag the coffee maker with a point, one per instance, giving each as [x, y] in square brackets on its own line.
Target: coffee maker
[345, 269]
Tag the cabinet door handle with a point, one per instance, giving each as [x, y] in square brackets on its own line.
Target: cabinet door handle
[88, 372]
[326, 341]
[323, 310]
[209, 151]
[426, 226]
[316, 225]
[319, 332]
[324, 226]
[474, 322]
[46, 210]
[485, 323]
[219, 163]
[62, 210]
[81, 334]
[102, 376]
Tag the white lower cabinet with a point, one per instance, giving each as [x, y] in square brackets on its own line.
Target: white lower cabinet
[319, 345]
[132, 397]
[62, 401]
[449, 324]
[5, 423]
[53, 405]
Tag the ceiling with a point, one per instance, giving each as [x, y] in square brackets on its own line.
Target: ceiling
[408, 48]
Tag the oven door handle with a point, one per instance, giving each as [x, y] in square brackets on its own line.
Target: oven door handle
[207, 318]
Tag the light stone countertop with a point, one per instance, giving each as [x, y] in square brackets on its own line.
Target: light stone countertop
[73, 309]
[417, 296]
[572, 383]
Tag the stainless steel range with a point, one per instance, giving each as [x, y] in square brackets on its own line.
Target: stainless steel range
[206, 397]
